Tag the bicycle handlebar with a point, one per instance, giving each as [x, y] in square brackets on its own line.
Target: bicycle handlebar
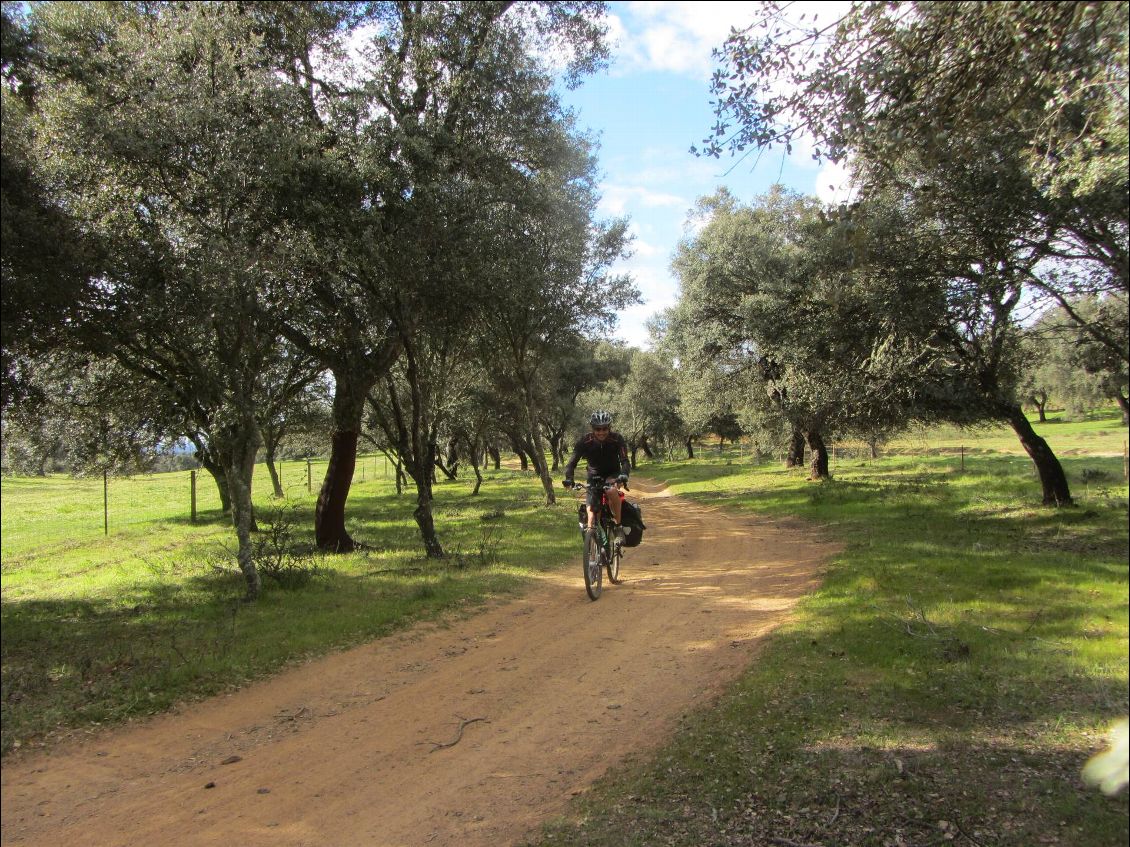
[576, 486]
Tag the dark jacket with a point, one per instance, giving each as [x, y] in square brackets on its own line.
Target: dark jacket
[606, 459]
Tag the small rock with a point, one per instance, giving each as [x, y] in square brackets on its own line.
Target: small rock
[264, 791]
[231, 760]
[209, 785]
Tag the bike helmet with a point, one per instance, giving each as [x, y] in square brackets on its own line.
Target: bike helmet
[600, 418]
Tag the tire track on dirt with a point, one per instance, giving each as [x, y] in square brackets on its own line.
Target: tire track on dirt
[467, 733]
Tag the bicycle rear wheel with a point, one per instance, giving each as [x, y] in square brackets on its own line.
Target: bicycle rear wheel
[591, 565]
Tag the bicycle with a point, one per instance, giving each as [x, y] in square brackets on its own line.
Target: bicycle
[600, 549]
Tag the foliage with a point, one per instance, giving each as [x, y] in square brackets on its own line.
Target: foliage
[88, 416]
[780, 301]
[887, 88]
[45, 256]
[1068, 363]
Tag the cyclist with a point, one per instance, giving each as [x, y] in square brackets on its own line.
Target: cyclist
[606, 453]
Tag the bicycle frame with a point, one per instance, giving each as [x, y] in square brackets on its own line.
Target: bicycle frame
[601, 537]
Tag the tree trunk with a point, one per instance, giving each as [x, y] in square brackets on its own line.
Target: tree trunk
[475, 468]
[555, 449]
[690, 447]
[538, 450]
[495, 457]
[1124, 405]
[421, 476]
[1040, 401]
[329, 513]
[209, 463]
[240, 466]
[795, 456]
[633, 449]
[646, 449]
[819, 467]
[451, 469]
[276, 483]
[1052, 477]
[424, 519]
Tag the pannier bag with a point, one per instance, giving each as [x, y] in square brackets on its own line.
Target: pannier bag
[631, 516]
[633, 535]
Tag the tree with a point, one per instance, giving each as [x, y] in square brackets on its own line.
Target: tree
[445, 91]
[782, 297]
[296, 400]
[88, 417]
[552, 282]
[939, 84]
[156, 124]
[1066, 362]
[413, 402]
[1026, 180]
[46, 260]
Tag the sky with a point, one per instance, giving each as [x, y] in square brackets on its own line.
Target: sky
[647, 110]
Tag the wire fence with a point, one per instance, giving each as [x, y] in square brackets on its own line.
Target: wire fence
[45, 512]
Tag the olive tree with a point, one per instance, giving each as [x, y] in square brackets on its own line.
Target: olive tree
[167, 137]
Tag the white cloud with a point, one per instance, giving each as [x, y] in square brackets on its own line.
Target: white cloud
[641, 247]
[679, 36]
[616, 198]
[834, 183]
[676, 37]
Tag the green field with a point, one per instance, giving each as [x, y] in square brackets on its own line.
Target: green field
[1098, 433]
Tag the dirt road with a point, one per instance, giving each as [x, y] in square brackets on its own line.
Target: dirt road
[470, 733]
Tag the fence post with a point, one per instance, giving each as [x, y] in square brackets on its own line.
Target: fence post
[308, 488]
[106, 502]
[963, 458]
[1125, 462]
[192, 477]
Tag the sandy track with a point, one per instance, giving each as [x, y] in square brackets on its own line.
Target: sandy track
[549, 691]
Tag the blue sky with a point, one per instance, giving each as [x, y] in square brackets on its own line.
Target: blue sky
[647, 109]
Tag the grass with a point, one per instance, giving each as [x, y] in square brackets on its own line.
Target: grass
[946, 684]
[1097, 433]
[99, 629]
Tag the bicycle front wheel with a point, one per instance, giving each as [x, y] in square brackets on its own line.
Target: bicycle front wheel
[591, 565]
[614, 564]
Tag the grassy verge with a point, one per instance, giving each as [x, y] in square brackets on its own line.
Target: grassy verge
[104, 628]
[1097, 433]
[945, 685]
